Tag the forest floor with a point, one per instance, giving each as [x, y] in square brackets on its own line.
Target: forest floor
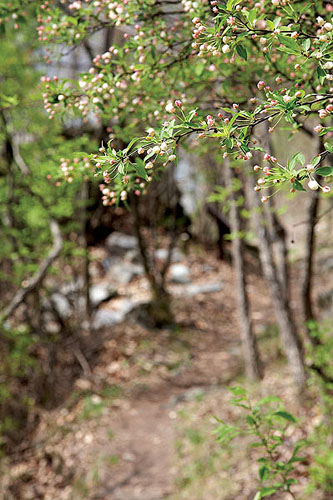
[138, 422]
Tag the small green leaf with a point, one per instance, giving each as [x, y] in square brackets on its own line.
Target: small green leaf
[250, 420]
[285, 415]
[241, 51]
[315, 161]
[289, 43]
[263, 473]
[264, 492]
[238, 391]
[298, 186]
[140, 169]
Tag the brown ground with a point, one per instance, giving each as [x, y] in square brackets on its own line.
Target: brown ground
[115, 437]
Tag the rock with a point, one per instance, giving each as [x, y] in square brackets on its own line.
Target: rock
[162, 254]
[62, 305]
[179, 273]
[105, 317]
[109, 317]
[101, 292]
[122, 272]
[196, 289]
[120, 243]
[72, 288]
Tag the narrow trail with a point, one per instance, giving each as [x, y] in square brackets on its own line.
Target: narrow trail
[144, 441]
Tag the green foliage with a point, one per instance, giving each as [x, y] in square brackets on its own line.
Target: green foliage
[267, 422]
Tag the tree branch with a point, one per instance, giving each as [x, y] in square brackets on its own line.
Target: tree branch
[38, 277]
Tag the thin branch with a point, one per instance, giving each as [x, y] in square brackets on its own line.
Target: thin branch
[38, 277]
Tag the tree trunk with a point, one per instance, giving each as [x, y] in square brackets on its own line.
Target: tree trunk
[249, 344]
[291, 341]
[159, 308]
[306, 289]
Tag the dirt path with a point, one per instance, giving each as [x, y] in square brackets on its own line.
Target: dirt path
[144, 443]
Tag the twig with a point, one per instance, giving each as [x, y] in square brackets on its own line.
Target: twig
[38, 277]
[83, 362]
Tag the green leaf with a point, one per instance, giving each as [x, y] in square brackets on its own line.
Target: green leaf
[140, 169]
[315, 161]
[241, 51]
[133, 141]
[298, 186]
[329, 147]
[323, 171]
[263, 473]
[238, 391]
[285, 415]
[297, 158]
[264, 492]
[306, 44]
[277, 22]
[289, 43]
[267, 400]
[250, 420]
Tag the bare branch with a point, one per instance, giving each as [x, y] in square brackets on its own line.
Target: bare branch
[38, 277]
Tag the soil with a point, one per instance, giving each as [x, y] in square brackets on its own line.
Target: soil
[114, 437]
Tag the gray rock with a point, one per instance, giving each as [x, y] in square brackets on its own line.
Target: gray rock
[162, 254]
[62, 305]
[196, 289]
[122, 272]
[120, 243]
[101, 292]
[106, 317]
[179, 273]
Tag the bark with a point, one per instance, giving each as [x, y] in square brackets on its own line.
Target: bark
[249, 344]
[278, 237]
[159, 308]
[86, 273]
[277, 233]
[287, 327]
[307, 282]
[310, 243]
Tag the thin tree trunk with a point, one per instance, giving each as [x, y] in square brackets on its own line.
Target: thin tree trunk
[249, 343]
[276, 230]
[160, 306]
[307, 282]
[86, 262]
[291, 341]
[278, 239]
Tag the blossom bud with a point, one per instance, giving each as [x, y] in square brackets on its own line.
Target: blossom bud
[313, 185]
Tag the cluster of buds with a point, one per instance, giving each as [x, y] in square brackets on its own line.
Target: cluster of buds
[70, 167]
[108, 196]
[192, 5]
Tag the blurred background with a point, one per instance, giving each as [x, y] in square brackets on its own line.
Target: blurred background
[120, 327]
